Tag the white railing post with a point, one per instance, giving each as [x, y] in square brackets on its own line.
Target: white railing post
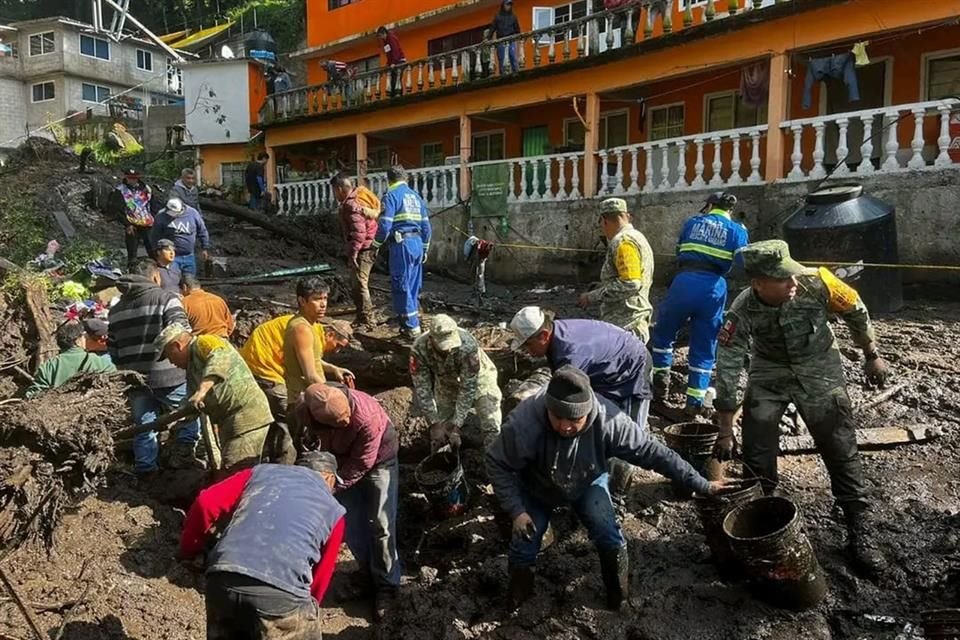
[665, 169]
[943, 141]
[843, 147]
[575, 178]
[535, 180]
[562, 178]
[818, 171]
[619, 189]
[796, 173]
[681, 182]
[892, 163]
[602, 182]
[716, 180]
[511, 185]
[866, 148]
[698, 182]
[648, 172]
[524, 196]
[735, 177]
[917, 161]
[634, 171]
[754, 177]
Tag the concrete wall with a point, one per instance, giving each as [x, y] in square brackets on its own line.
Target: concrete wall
[12, 117]
[158, 119]
[926, 220]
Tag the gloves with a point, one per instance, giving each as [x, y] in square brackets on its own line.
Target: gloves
[876, 370]
[441, 433]
[523, 527]
[726, 445]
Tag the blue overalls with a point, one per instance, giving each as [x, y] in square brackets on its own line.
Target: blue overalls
[404, 226]
[698, 294]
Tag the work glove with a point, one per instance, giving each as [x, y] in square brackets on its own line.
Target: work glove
[877, 371]
[726, 445]
[523, 527]
[440, 434]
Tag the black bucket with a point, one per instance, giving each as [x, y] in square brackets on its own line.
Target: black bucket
[941, 624]
[441, 479]
[766, 536]
[712, 510]
[693, 441]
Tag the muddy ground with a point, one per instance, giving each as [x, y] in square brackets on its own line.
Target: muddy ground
[112, 572]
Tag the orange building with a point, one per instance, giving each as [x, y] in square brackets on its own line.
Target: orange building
[652, 95]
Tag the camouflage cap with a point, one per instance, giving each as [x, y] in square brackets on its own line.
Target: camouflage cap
[168, 335]
[613, 205]
[444, 333]
[771, 259]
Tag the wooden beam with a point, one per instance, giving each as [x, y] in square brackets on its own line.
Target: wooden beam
[591, 142]
[466, 148]
[777, 104]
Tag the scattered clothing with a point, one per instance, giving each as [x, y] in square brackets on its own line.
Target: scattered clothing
[839, 66]
[263, 351]
[208, 314]
[860, 55]
[755, 84]
[69, 364]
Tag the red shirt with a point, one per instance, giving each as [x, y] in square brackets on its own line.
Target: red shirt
[393, 50]
[219, 500]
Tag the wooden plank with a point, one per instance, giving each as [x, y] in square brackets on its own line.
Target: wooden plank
[65, 225]
[867, 439]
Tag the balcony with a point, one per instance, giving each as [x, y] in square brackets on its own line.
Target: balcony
[604, 35]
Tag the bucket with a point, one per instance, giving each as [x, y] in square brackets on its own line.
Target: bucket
[441, 479]
[941, 624]
[693, 441]
[712, 510]
[767, 539]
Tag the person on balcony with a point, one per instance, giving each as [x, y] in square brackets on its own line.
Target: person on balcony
[405, 226]
[624, 291]
[697, 294]
[504, 25]
[132, 203]
[395, 57]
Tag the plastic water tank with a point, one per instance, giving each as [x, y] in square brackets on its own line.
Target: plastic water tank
[842, 224]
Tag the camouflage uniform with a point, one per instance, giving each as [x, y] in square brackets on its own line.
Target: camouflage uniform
[793, 358]
[458, 385]
[626, 276]
[236, 403]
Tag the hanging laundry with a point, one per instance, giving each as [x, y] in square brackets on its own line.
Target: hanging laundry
[643, 114]
[839, 66]
[860, 53]
[755, 84]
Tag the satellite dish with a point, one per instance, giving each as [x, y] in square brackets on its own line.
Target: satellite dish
[227, 53]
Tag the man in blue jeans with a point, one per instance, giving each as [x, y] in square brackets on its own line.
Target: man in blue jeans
[553, 451]
[182, 225]
[143, 311]
[504, 25]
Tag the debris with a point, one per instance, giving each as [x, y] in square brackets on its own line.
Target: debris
[867, 439]
[881, 397]
[249, 215]
[27, 612]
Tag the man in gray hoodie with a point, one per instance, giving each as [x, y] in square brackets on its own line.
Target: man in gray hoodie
[554, 451]
[186, 189]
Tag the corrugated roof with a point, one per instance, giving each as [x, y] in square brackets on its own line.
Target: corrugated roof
[167, 38]
[198, 37]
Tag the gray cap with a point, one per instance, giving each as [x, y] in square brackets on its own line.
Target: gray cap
[569, 394]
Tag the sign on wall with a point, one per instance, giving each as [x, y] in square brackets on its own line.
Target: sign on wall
[490, 185]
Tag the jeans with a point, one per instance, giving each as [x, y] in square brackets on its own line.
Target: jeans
[240, 607]
[255, 203]
[148, 404]
[840, 66]
[371, 521]
[621, 473]
[594, 509]
[502, 51]
[360, 285]
[187, 263]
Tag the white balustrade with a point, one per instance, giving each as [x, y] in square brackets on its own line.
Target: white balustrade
[542, 178]
[304, 197]
[438, 186]
[831, 143]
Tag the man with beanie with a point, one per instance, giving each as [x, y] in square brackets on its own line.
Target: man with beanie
[553, 451]
[271, 536]
[182, 224]
[354, 427]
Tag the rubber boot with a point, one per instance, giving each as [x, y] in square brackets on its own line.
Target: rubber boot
[864, 555]
[615, 569]
[383, 600]
[661, 385]
[521, 585]
[184, 456]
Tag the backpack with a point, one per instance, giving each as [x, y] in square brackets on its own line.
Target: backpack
[369, 203]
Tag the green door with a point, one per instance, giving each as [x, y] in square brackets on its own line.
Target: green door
[536, 142]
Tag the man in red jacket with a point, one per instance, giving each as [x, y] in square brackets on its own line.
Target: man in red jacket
[279, 532]
[359, 230]
[354, 427]
[395, 57]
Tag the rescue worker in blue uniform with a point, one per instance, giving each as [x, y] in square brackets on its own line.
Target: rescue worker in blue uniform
[404, 226]
[698, 294]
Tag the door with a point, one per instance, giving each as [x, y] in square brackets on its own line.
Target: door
[872, 82]
[536, 142]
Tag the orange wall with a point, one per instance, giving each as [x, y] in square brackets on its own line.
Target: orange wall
[213, 155]
[258, 89]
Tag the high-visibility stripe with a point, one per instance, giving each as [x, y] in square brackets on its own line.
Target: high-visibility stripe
[396, 184]
[408, 217]
[701, 370]
[656, 369]
[376, 244]
[718, 212]
[696, 393]
[663, 350]
[704, 249]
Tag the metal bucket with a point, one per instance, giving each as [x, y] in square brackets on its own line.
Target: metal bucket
[767, 538]
[693, 441]
[440, 477]
[941, 624]
[712, 510]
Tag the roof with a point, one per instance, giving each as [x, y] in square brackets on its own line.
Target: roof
[167, 38]
[70, 22]
[199, 38]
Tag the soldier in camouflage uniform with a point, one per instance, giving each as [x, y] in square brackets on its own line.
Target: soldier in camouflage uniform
[455, 385]
[624, 292]
[781, 321]
[220, 384]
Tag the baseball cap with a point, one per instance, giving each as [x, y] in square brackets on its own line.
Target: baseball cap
[165, 244]
[444, 333]
[131, 173]
[613, 205]
[175, 205]
[525, 324]
[771, 259]
[168, 335]
[96, 327]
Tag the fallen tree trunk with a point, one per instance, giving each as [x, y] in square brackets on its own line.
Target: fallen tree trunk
[249, 215]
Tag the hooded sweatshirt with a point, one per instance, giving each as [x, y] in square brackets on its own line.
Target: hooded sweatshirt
[183, 230]
[143, 311]
[530, 458]
[189, 195]
[505, 24]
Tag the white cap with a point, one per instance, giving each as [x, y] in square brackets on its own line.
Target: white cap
[525, 325]
[175, 205]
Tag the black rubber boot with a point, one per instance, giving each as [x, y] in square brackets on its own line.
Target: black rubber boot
[521, 585]
[661, 385]
[615, 569]
[864, 555]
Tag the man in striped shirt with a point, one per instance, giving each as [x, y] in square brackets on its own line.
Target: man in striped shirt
[143, 311]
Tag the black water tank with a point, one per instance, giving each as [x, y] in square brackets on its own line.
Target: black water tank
[260, 41]
[841, 224]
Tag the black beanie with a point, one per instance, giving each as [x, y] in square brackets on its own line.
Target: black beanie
[319, 461]
[569, 394]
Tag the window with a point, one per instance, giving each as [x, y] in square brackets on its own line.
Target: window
[366, 64]
[431, 154]
[727, 111]
[943, 77]
[544, 17]
[43, 91]
[144, 60]
[487, 146]
[614, 130]
[94, 47]
[666, 122]
[232, 174]
[336, 4]
[94, 93]
[175, 79]
[454, 41]
[378, 158]
[42, 43]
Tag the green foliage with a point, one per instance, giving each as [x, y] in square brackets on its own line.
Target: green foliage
[169, 165]
[23, 230]
[79, 252]
[283, 19]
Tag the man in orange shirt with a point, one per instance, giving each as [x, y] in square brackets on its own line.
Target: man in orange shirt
[208, 313]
